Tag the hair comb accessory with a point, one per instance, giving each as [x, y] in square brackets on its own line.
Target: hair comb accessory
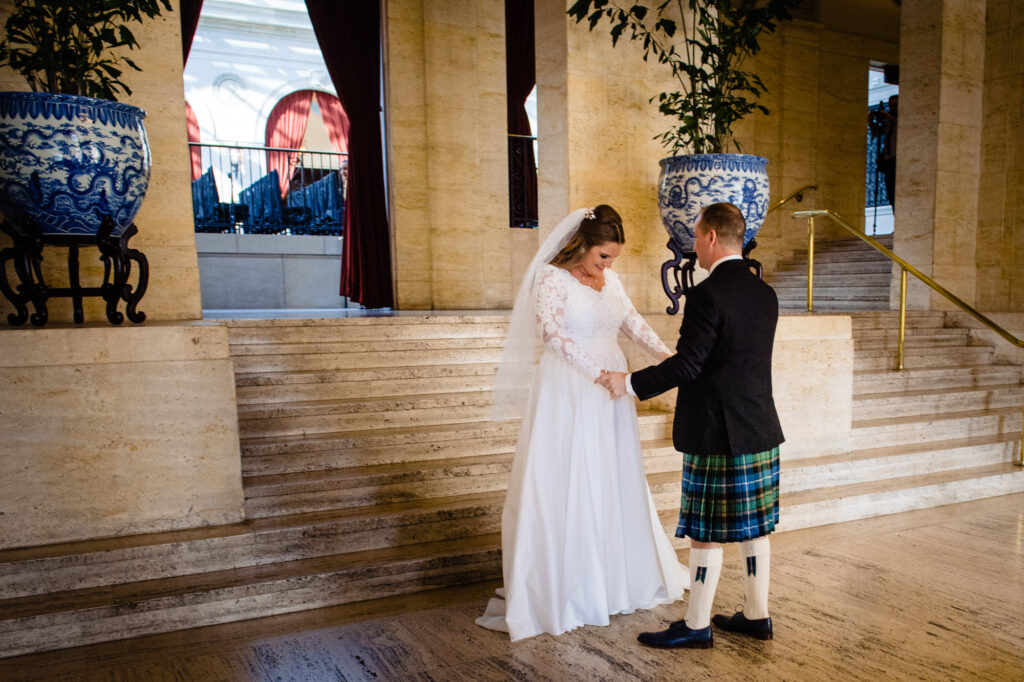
[590, 215]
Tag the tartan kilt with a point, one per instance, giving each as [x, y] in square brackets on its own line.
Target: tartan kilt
[729, 498]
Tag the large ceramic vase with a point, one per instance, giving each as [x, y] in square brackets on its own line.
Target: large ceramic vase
[691, 182]
[66, 161]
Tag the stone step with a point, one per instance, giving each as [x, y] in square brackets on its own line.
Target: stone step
[923, 356]
[891, 343]
[846, 244]
[366, 347]
[837, 307]
[271, 387]
[329, 361]
[876, 464]
[247, 332]
[889, 319]
[850, 255]
[890, 496]
[785, 283]
[255, 542]
[272, 495]
[893, 431]
[852, 268]
[936, 401]
[835, 293]
[933, 378]
[874, 334]
[58, 620]
[285, 454]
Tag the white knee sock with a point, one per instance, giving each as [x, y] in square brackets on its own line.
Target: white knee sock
[705, 567]
[757, 563]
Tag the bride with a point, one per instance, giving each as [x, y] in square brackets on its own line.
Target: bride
[581, 539]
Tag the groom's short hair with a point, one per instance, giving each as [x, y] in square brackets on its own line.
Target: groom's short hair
[726, 220]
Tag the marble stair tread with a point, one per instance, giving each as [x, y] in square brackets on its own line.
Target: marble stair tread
[833, 306]
[903, 484]
[937, 400]
[890, 343]
[362, 374]
[837, 269]
[386, 319]
[290, 362]
[257, 541]
[832, 293]
[934, 418]
[920, 319]
[100, 614]
[924, 356]
[308, 408]
[872, 464]
[415, 479]
[867, 381]
[340, 346]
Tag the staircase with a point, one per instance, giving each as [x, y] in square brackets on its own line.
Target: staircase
[371, 469]
[849, 276]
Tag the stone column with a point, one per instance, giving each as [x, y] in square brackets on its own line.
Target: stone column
[939, 145]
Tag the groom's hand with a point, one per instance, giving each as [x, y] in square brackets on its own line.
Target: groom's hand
[614, 382]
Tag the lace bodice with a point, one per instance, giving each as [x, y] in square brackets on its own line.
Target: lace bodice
[581, 325]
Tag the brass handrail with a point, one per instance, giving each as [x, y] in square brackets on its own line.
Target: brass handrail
[905, 267]
[798, 195]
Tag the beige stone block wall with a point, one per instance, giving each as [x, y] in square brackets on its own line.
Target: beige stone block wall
[939, 149]
[116, 431]
[166, 231]
[446, 105]
[812, 375]
[1000, 252]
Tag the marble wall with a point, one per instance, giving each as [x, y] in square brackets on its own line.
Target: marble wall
[1000, 241]
[116, 432]
[445, 62]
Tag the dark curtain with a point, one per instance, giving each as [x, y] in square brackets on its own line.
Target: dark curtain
[520, 77]
[350, 40]
[189, 10]
[286, 126]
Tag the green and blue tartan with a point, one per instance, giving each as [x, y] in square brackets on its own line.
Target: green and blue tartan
[729, 498]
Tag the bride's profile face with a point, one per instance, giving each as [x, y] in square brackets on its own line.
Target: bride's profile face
[599, 257]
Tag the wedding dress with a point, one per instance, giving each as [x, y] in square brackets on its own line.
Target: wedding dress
[581, 539]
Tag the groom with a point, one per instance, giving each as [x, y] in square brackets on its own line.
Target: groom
[726, 427]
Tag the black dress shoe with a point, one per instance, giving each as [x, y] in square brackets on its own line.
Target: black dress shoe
[760, 628]
[678, 636]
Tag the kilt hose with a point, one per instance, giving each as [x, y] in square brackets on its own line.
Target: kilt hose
[729, 498]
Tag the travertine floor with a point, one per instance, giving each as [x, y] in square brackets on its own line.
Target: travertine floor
[936, 594]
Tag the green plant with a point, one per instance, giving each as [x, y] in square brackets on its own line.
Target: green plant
[715, 38]
[65, 46]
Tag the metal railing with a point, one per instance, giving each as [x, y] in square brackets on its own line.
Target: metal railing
[905, 267]
[798, 195]
[240, 190]
[522, 181]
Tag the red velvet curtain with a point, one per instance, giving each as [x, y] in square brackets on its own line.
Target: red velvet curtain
[520, 77]
[335, 120]
[286, 126]
[195, 153]
[189, 11]
[349, 34]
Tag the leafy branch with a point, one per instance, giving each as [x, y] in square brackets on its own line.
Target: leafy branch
[64, 46]
[714, 39]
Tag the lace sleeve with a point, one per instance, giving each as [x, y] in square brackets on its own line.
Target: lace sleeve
[637, 329]
[551, 294]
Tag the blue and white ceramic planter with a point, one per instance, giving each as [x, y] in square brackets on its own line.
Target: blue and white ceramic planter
[691, 182]
[65, 161]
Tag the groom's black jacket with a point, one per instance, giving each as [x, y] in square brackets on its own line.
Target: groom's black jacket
[722, 366]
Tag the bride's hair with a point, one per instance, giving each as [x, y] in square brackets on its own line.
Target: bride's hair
[604, 227]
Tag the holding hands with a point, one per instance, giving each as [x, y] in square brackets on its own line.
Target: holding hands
[614, 382]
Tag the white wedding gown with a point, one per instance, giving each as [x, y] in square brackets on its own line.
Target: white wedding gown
[581, 539]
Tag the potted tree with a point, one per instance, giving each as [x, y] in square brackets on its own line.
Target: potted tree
[70, 153]
[704, 43]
